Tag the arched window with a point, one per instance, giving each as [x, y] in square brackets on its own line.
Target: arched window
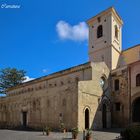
[87, 119]
[116, 84]
[138, 80]
[99, 31]
[116, 31]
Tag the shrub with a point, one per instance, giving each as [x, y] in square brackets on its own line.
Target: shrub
[75, 132]
[89, 132]
[47, 130]
[131, 133]
[62, 126]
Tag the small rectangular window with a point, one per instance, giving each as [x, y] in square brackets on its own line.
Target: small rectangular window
[138, 80]
[117, 106]
[116, 84]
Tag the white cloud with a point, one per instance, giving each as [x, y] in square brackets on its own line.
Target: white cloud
[45, 70]
[28, 79]
[77, 32]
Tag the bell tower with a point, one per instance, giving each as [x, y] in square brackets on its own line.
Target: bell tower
[105, 38]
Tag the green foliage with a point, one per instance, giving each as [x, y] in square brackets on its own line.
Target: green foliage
[131, 133]
[75, 130]
[47, 129]
[62, 126]
[89, 132]
[10, 77]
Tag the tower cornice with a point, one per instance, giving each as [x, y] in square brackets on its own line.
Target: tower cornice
[109, 10]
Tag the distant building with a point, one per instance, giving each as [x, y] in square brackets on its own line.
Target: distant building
[103, 93]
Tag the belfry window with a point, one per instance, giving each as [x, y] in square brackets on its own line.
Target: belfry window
[116, 32]
[138, 80]
[116, 85]
[99, 31]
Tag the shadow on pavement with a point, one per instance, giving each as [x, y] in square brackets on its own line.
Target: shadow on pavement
[113, 130]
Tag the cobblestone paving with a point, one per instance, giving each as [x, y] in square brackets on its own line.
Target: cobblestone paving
[30, 135]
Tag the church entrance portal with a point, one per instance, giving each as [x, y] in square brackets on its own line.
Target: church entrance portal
[136, 110]
[86, 119]
[104, 116]
[24, 119]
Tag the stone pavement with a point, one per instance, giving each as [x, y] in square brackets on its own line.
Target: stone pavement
[31, 135]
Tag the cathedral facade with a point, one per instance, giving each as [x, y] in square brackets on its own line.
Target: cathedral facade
[102, 93]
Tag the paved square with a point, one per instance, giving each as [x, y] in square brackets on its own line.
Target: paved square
[31, 135]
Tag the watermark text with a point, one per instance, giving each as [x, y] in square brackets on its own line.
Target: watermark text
[10, 6]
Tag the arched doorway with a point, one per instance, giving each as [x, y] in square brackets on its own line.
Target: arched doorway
[104, 116]
[136, 110]
[87, 119]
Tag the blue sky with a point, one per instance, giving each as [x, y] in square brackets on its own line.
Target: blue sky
[31, 37]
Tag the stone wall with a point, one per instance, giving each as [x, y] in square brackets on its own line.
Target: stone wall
[91, 96]
[120, 116]
[47, 101]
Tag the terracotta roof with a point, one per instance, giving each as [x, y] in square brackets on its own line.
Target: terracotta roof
[131, 47]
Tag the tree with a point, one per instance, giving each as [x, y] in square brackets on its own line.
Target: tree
[10, 77]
